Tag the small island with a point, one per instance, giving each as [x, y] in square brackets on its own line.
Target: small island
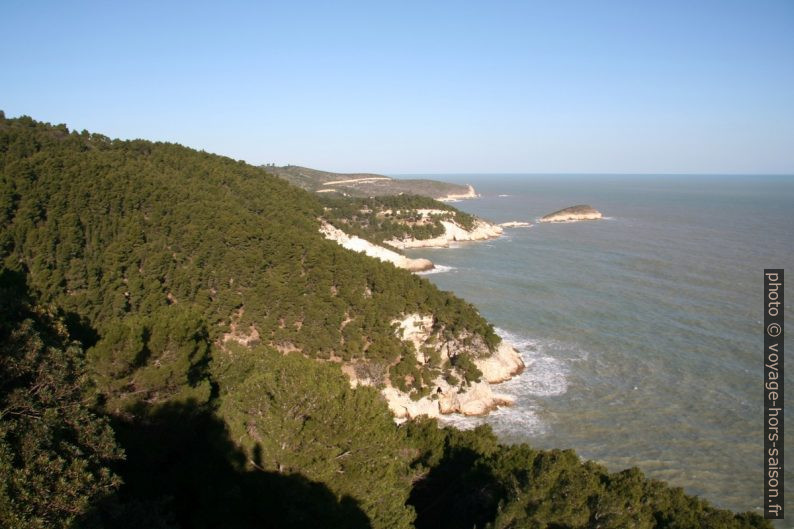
[573, 214]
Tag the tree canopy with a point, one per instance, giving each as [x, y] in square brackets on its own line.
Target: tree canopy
[55, 451]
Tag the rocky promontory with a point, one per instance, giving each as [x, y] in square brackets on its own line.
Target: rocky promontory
[455, 197]
[448, 395]
[453, 232]
[573, 214]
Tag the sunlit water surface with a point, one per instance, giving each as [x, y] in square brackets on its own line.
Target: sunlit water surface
[642, 333]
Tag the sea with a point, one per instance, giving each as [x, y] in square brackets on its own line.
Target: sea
[643, 332]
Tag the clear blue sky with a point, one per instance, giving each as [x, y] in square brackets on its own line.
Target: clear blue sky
[413, 87]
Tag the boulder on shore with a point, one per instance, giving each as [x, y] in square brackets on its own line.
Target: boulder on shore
[573, 214]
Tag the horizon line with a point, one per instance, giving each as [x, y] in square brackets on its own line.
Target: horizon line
[578, 173]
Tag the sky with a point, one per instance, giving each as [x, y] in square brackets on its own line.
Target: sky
[401, 87]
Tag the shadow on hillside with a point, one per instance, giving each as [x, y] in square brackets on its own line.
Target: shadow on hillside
[14, 296]
[80, 329]
[183, 471]
[456, 494]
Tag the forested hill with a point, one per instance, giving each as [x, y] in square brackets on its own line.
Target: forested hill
[129, 273]
[108, 228]
[362, 184]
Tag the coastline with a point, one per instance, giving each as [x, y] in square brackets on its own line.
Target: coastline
[593, 312]
[453, 233]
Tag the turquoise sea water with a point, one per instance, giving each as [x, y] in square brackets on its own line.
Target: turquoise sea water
[642, 332]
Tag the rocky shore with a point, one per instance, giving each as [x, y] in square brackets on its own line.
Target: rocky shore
[477, 398]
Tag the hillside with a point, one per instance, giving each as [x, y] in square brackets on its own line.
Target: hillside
[366, 184]
[142, 226]
[178, 344]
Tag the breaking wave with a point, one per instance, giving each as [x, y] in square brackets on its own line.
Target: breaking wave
[545, 376]
[437, 269]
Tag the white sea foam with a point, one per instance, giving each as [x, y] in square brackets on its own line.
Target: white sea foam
[524, 419]
[437, 269]
[546, 375]
[502, 196]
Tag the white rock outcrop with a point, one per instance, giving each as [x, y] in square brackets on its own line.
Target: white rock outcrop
[502, 365]
[471, 193]
[357, 244]
[453, 232]
[477, 398]
[416, 329]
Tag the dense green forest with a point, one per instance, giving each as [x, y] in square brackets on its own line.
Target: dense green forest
[380, 219]
[122, 266]
[109, 230]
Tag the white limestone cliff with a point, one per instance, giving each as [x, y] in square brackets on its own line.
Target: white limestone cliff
[357, 244]
[453, 232]
[471, 193]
